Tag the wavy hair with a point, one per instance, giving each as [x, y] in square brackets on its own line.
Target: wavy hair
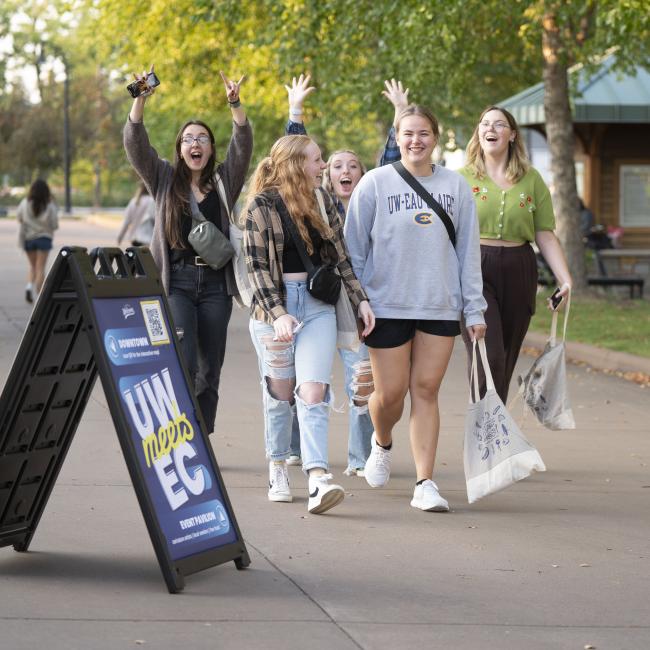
[39, 196]
[518, 163]
[178, 198]
[283, 170]
[327, 182]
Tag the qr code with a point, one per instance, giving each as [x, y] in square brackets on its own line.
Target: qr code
[154, 322]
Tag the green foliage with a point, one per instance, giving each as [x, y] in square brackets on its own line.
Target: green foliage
[455, 56]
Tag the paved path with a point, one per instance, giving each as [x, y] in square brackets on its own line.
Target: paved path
[559, 561]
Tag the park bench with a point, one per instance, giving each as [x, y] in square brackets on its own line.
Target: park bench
[605, 280]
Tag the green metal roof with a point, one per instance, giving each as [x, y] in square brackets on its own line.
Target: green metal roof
[604, 96]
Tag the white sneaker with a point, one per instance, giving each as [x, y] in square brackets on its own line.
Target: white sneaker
[377, 469]
[351, 471]
[322, 495]
[426, 497]
[279, 482]
[294, 460]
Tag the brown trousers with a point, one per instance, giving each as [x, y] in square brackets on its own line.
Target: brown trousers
[509, 287]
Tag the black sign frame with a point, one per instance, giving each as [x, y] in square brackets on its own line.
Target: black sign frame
[49, 385]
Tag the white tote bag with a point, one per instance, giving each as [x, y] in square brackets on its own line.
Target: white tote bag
[496, 453]
[544, 386]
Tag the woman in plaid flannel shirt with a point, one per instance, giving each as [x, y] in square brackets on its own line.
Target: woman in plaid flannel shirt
[294, 333]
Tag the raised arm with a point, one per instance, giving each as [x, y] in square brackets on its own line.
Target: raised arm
[142, 156]
[240, 148]
[398, 97]
[232, 93]
[297, 93]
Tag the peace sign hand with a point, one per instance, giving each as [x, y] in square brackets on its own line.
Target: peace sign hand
[232, 88]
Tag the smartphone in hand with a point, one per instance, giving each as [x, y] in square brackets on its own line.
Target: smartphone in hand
[142, 86]
[556, 299]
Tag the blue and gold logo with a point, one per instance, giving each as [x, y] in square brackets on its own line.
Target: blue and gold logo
[423, 218]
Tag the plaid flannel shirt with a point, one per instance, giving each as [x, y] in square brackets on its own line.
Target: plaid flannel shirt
[263, 247]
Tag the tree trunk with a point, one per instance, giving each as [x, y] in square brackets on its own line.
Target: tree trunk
[559, 134]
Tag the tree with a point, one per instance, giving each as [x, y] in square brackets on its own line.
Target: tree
[569, 33]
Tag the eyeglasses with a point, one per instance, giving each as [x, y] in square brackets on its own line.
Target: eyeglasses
[189, 140]
[497, 126]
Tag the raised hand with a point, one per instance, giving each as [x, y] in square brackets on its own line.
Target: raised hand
[298, 91]
[142, 79]
[232, 87]
[396, 94]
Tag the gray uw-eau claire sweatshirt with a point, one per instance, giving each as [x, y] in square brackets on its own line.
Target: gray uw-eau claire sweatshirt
[401, 252]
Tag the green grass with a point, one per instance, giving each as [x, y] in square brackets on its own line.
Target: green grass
[613, 323]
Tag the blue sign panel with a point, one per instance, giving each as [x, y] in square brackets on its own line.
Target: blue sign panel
[157, 405]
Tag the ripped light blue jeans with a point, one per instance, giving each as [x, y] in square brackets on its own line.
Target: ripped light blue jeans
[357, 371]
[308, 359]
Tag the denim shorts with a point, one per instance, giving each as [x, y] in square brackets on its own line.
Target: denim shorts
[38, 244]
[393, 332]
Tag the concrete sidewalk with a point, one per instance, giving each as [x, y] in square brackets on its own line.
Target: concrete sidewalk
[558, 561]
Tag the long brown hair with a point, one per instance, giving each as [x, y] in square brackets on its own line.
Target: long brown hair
[518, 163]
[283, 170]
[178, 199]
[39, 195]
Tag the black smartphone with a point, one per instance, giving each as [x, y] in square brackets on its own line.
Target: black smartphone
[556, 299]
[141, 86]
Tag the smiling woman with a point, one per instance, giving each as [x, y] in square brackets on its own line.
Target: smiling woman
[419, 286]
[293, 331]
[514, 208]
[200, 296]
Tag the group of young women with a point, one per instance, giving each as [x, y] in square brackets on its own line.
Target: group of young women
[416, 277]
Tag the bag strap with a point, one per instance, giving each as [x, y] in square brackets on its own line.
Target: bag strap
[473, 375]
[553, 336]
[295, 235]
[427, 198]
[224, 197]
[197, 215]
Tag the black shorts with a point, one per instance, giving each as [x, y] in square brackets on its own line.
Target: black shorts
[393, 332]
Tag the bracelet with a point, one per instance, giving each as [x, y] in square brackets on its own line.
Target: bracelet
[235, 104]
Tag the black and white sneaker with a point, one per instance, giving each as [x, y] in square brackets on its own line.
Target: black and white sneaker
[322, 495]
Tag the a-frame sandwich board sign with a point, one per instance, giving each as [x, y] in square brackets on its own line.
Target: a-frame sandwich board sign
[106, 313]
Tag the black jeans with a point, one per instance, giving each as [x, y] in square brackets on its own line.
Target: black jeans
[201, 307]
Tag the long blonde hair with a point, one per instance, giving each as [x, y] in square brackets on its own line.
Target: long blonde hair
[518, 163]
[283, 170]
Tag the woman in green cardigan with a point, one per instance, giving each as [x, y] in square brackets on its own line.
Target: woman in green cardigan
[514, 208]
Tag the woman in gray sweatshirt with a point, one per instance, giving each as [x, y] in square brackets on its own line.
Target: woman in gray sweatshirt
[200, 297]
[419, 285]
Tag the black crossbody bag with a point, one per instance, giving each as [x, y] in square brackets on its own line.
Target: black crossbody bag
[427, 198]
[323, 281]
